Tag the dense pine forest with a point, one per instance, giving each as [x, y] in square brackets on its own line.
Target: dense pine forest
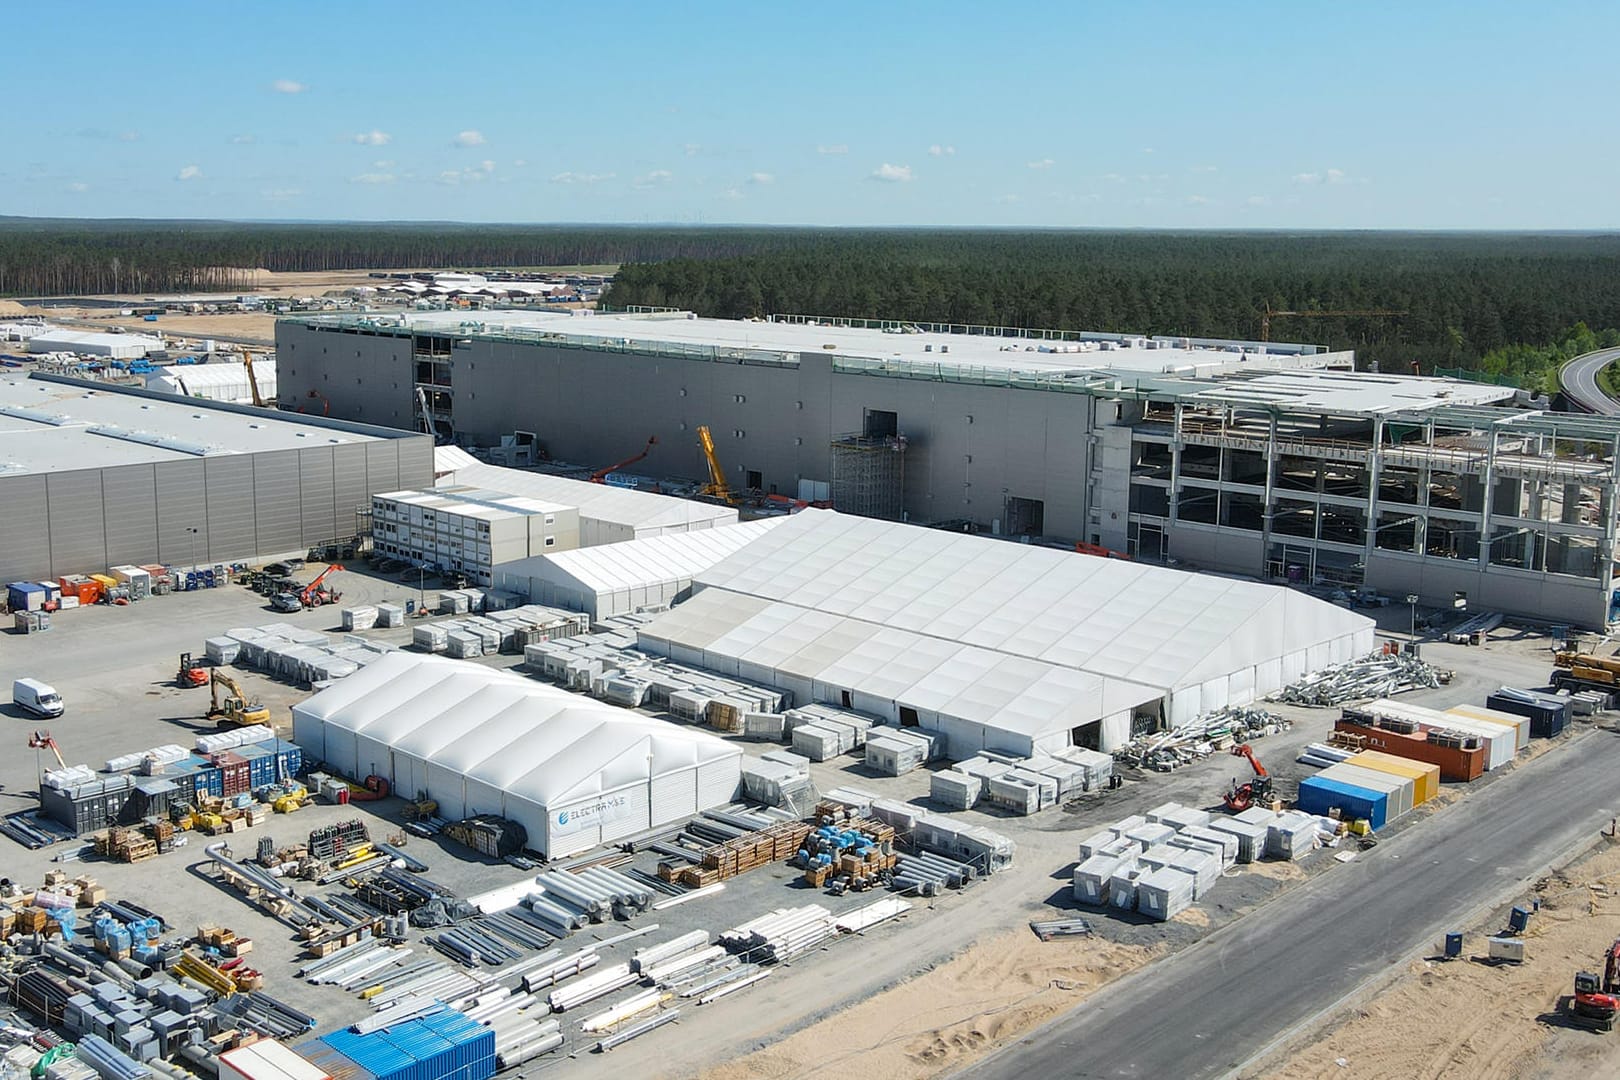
[1506, 304]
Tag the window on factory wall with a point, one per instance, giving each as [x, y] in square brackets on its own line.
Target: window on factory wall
[753, 480]
[881, 424]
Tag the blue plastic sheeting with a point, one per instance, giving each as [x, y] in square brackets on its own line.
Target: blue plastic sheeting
[1318, 795]
[444, 1046]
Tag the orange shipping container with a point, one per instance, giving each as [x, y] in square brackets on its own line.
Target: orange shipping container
[1455, 764]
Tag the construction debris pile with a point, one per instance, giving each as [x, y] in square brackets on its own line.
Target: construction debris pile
[1165, 751]
[1376, 676]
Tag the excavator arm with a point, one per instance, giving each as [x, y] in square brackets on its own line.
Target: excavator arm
[1247, 751]
[600, 475]
[313, 587]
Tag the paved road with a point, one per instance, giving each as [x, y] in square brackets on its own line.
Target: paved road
[1578, 378]
[1206, 1011]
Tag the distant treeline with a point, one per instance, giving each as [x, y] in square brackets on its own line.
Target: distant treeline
[44, 257]
[1466, 296]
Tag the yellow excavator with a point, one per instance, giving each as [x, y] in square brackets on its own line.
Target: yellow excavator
[717, 487]
[235, 710]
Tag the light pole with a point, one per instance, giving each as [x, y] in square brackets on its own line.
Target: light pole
[192, 529]
[1411, 598]
[421, 589]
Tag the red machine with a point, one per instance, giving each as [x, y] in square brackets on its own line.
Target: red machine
[600, 475]
[1258, 790]
[1611, 970]
[314, 595]
[1590, 1006]
[41, 740]
[1101, 552]
[190, 675]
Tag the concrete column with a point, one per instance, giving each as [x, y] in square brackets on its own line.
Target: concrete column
[1375, 467]
[1175, 466]
[1485, 504]
[1268, 507]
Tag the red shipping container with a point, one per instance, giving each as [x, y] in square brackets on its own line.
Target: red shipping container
[1454, 764]
[233, 772]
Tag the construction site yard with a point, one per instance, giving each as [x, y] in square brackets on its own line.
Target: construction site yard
[1469, 1018]
[958, 976]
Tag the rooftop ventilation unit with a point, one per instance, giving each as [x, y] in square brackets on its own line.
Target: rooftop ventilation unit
[162, 442]
[18, 412]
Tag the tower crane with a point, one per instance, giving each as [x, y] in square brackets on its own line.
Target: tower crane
[1364, 313]
[717, 486]
[600, 475]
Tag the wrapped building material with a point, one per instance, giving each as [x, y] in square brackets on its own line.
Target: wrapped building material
[1292, 836]
[1164, 893]
[1227, 842]
[1251, 838]
[819, 743]
[390, 615]
[1150, 834]
[954, 790]
[221, 650]
[1203, 866]
[1122, 886]
[431, 637]
[770, 727]
[893, 757]
[363, 617]
[1091, 877]
[1014, 793]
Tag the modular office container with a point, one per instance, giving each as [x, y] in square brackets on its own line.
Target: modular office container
[1398, 788]
[1425, 777]
[1496, 716]
[1548, 714]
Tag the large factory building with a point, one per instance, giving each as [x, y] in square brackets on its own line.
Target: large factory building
[1269, 460]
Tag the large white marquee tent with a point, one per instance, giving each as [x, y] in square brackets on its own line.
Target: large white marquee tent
[633, 575]
[573, 772]
[808, 605]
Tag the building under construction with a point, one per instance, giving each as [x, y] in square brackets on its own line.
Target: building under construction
[1258, 458]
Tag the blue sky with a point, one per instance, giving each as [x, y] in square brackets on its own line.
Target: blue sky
[1194, 114]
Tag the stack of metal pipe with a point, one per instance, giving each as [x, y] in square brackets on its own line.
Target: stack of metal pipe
[782, 934]
[918, 872]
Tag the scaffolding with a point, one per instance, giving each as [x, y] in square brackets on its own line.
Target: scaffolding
[868, 475]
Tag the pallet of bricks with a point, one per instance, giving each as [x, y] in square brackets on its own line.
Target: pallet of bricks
[738, 856]
[854, 862]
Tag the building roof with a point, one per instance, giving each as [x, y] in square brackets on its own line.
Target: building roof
[1108, 617]
[994, 688]
[474, 502]
[532, 741]
[50, 424]
[649, 561]
[57, 338]
[601, 502]
[217, 382]
[929, 352]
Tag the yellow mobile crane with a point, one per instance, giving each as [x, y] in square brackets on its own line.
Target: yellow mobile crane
[717, 486]
[253, 383]
[236, 710]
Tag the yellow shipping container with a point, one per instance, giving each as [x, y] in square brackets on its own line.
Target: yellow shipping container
[1520, 724]
[1425, 778]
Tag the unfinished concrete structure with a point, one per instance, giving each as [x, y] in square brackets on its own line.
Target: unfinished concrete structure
[1271, 460]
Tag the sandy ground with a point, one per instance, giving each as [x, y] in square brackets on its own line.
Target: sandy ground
[993, 992]
[1468, 1019]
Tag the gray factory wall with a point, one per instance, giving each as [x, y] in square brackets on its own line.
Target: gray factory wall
[366, 377]
[1572, 601]
[242, 505]
[971, 446]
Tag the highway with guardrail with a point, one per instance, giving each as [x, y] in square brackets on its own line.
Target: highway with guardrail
[1578, 380]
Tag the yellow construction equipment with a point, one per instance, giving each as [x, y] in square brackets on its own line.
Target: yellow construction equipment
[295, 798]
[236, 710]
[717, 486]
[253, 382]
[194, 967]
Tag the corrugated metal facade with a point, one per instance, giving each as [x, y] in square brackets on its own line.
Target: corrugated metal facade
[243, 506]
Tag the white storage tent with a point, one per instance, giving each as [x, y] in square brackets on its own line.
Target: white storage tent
[618, 579]
[216, 382]
[823, 585]
[573, 772]
[94, 343]
[607, 514]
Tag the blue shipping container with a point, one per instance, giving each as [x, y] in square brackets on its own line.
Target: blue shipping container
[1318, 795]
[26, 596]
[444, 1046]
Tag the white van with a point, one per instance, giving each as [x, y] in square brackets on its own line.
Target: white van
[36, 697]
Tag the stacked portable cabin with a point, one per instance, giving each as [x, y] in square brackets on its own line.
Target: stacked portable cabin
[1549, 714]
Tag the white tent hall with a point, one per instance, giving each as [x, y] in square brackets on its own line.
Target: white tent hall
[1194, 642]
[574, 773]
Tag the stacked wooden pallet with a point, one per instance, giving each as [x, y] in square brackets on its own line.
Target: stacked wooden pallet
[738, 856]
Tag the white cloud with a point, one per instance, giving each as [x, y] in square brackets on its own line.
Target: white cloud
[373, 178]
[1005, 200]
[1257, 200]
[1114, 177]
[373, 138]
[78, 186]
[278, 194]
[1147, 149]
[836, 148]
[1325, 176]
[384, 165]
[731, 193]
[938, 150]
[469, 137]
[190, 172]
[129, 136]
[1200, 200]
[243, 140]
[892, 174]
[288, 86]
[693, 149]
[1044, 163]
[761, 178]
[1206, 169]
[519, 164]
[486, 165]
[581, 178]
[655, 178]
